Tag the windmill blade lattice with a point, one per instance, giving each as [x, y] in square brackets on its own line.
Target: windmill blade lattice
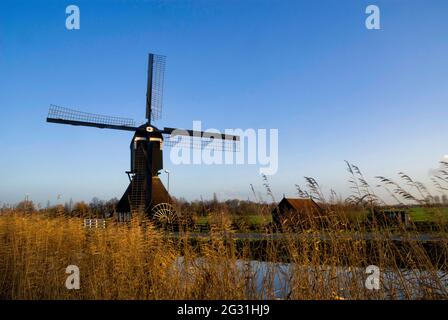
[69, 116]
[158, 76]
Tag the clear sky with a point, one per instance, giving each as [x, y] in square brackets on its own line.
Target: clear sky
[334, 90]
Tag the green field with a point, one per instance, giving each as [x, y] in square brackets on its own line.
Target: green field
[421, 214]
[258, 222]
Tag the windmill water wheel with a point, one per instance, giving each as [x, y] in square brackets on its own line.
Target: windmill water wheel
[164, 213]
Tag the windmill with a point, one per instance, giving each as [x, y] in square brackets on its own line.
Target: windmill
[146, 196]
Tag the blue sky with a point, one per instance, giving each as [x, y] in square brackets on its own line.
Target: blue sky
[334, 90]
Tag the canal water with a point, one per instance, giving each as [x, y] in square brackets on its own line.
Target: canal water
[274, 280]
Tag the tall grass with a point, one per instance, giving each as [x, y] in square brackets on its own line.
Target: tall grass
[324, 258]
[135, 262]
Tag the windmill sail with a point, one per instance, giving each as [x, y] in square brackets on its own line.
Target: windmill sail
[154, 93]
[63, 115]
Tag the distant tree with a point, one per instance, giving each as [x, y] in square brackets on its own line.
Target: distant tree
[109, 207]
[181, 201]
[102, 209]
[26, 206]
[68, 206]
[60, 210]
[436, 199]
[81, 209]
[444, 199]
[57, 210]
[97, 207]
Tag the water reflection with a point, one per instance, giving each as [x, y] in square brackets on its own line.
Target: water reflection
[273, 280]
